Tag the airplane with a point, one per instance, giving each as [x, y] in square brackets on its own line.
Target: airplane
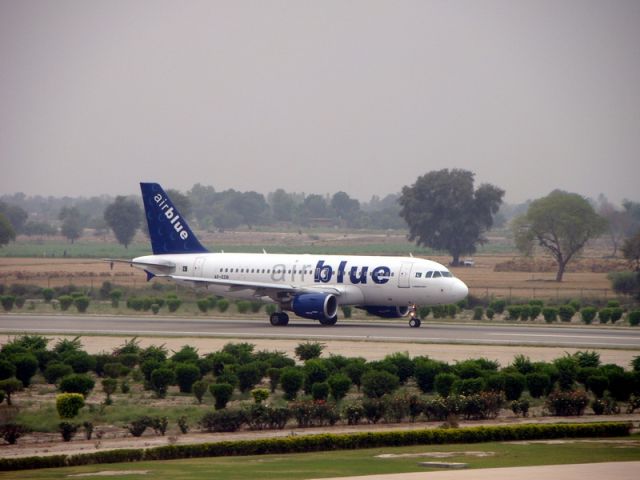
[310, 286]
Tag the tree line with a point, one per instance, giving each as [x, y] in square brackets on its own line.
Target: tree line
[442, 210]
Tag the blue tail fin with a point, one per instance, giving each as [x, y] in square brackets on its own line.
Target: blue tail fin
[168, 231]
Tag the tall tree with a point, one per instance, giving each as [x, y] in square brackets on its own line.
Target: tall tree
[72, 223]
[631, 251]
[16, 215]
[444, 212]
[561, 223]
[123, 217]
[346, 208]
[7, 233]
[282, 205]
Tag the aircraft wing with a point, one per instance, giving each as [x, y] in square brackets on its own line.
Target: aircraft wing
[259, 288]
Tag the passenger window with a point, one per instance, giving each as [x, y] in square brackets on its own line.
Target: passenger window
[436, 274]
[185, 269]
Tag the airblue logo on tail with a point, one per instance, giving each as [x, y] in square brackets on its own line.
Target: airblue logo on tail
[168, 230]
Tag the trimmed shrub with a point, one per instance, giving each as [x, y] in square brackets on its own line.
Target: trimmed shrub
[423, 312]
[534, 311]
[80, 362]
[138, 426]
[353, 413]
[425, 372]
[160, 380]
[514, 311]
[588, 314]
[291, 381]
[26, 367]
[11, 432]
[514, 384]
[10, 386]
[339, 384]
[377, 383]
[478, 312]
[520, 407]
[77, 383]
[223, 305]
[65, 302]
[320, 390]
[81, 303]
[634, 318]
[616, 314]
[490, 312]
[69, 404]
[67, 430]
[199, 389]
[173, 303]
[109, 387]
[604, 315]
[567, 403]
[249, 376]
[8, 369]
[243, 306]
[225, 420]
[259, 395]
[7, 302]
[550, 314]
[538, 384]
[203, 305]
[443, 383]
[222, 393]
[469, 386]
[309, 350]
[498, 306]
[566, 312]
[47, 294]
[186, 375]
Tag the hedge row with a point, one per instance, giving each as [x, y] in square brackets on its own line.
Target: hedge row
[327, 442]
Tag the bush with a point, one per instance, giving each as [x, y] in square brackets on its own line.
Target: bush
[534, 311]
[109, 386]
[259, 395]
[498, 306]
[65, 302]
[243, 306]
[339, 384]
[520, 407]
[478, 312]
[375, 384]
[353, 412]
[222, 420]
[514, 384]
[634, 318]
[77, 383]
[566, 312]
[481, 406]
[567, 403]
[115, 296]
[10, 386]
[514, 311]
[604, 315]
[291, 381]
[309, 350]
[8, 369]
[7, 302]
[159, 424]
[80, 362]
[320, 390]
[11, 432]
[81, 303]
[469, 386]
[443, 383]
[173, 303]
[490, 313]
[550, 314]
[47, 294]
[616, 314]
[26, 367]
[222, 393]
[67, 430]
[138, 426]
[425, 372]
[248, 376]
[69, 404]
[538, 384]
[160, 380]
[588, 314]
[605, 406]
[199, 389]
[203, 305]
[186, 375]
[423, 312]
[525, 312]
[223, 305]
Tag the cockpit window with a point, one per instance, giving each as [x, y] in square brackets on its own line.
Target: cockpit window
[436, 274]
[418, 274]
[446, 274]
[428, 275]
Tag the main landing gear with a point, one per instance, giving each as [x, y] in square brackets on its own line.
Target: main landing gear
[279, 319]
[329, 321]
[414, 321]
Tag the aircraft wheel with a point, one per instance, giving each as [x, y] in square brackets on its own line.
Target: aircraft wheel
[284, 319]
[274, 319]
[415, 322]
[329, 321]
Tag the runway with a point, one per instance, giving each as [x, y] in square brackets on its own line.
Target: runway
[397, 331]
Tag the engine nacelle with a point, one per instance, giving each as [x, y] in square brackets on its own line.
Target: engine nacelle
[316, 306]
[390, 311]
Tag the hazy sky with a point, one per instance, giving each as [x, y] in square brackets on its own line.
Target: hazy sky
[319, 96]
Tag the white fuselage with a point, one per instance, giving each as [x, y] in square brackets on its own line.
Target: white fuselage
[357, 280]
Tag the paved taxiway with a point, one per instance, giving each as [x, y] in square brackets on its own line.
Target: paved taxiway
[397, 331]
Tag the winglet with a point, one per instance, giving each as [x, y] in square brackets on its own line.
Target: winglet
[168, 230]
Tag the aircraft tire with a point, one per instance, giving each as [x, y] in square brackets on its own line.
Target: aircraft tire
[329, 321]
[284, 319]
[415, 322]
[279, 319]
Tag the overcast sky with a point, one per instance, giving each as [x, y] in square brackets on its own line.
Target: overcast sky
[319, 96]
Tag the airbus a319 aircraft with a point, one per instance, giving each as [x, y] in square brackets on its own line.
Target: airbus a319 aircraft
[310, 286]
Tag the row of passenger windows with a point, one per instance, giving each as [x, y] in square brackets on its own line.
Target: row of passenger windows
[434, 274]
[264, 270]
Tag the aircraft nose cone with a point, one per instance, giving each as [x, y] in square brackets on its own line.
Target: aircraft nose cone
[459, 289]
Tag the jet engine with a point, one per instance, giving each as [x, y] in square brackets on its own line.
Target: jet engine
[316, 306]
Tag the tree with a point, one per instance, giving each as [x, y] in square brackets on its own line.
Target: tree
[561, 223]
[445, 213]
[7, 233]
[16, 215]
[181, 202]
[346, 208]
[282, 205]
[123, 217]
[631, 251]
[72, 223]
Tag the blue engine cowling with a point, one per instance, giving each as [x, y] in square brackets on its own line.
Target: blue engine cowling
[316, 306]
[390, 311]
